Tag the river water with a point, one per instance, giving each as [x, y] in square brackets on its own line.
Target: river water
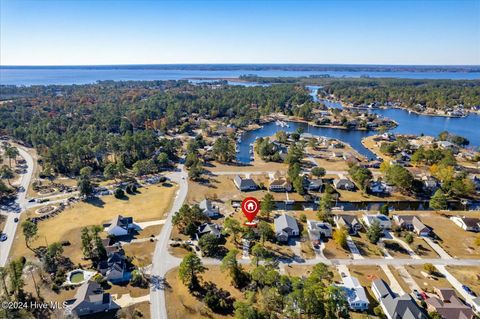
[85, 75]
[408, 123]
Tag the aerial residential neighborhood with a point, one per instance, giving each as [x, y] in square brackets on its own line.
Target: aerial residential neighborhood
[239, 159]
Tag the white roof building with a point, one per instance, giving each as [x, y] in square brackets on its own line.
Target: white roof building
[355, 293]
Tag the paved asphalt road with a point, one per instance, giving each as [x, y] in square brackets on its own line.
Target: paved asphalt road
[10, 225]
[162, 260]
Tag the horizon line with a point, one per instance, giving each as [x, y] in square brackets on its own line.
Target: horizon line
[234, 63]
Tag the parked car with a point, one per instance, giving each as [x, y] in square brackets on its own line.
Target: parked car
[15, 219]
[417, 294]
[3, 237]
[468, 290]
[31, 200]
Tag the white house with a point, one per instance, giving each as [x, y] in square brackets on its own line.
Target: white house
[355, 294]
[383, 220]
[467, 223]
[120, 226]
[209, 208]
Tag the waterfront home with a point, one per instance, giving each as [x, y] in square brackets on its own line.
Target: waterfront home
[383, 220]
[349, 222]
[120, 226]
[372, 164]
[319, 230]
[448, 305]
[306, 136]
[337, 155]
[430, 184]
[285, 227]
[476, 182]
[343, 183]
[446, 145]
[280, 185]
[209, 208]
[90, 299]
[379, 187]
[244, 184]
[208, 228]
[412, 223]
[314, 185]
[355, 294]
[393, 306]
[467, 223]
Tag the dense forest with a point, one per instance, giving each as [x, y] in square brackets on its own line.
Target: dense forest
[437, 94]
[74, 126]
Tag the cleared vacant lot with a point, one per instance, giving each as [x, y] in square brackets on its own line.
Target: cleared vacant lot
[456, 241]
[150, 204]
[469, 276]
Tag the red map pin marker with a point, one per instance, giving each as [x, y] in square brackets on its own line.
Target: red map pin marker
[250, 207]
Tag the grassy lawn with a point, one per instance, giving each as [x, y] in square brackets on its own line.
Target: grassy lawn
[258, 165]
[399, 279]
[395, 249]
[149, 231]
[222, 188]
[334, 251]
[366, 248]
[456, 241]
[421, 248]
[426, 283]
[142, 307]
[181, 304]
[3, 220]
[469, 276]
[141, 253]
[150, 204]
[307, 249]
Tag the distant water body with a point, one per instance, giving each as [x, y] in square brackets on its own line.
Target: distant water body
[78, 75]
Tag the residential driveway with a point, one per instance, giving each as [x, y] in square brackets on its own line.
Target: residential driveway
[405, 275]
[393, 282]
[438, 249]
[411, 253]
[126, 300]
[343, 269]
[353, 248]
[143, 225]
[455, 283]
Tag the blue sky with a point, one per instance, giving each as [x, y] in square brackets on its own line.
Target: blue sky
[75, 32]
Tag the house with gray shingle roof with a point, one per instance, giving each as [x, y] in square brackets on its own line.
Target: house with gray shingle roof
[349, 222]
[244, 184]
[285, 227]
[393, 306]
[208, 228]
[412, 223]
[89, 299]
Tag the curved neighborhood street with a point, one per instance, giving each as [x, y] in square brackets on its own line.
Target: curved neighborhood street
[10, 225]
